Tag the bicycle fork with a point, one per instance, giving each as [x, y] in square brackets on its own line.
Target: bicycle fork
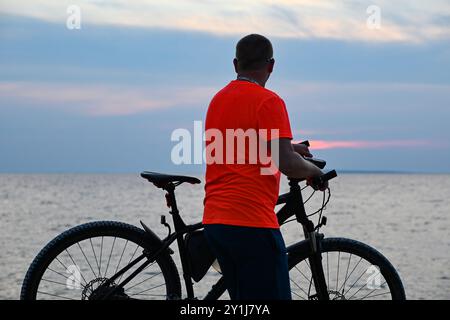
[315, 263]
[315, 239]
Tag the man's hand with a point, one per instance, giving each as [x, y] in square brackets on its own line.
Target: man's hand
[321, 187]
[302, 150]
[291, 163]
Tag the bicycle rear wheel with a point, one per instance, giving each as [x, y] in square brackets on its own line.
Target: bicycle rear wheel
[78, 261]
[353, 271]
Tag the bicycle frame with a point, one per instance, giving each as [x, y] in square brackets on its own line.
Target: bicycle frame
[293, 205]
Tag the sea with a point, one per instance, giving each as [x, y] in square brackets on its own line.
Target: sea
[404, 216]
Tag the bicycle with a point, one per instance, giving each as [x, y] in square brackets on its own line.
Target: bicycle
[73, 273]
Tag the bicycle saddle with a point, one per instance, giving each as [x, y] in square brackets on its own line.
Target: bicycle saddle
[160, 179]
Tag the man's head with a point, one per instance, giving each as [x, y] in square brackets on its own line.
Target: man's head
[254, 56]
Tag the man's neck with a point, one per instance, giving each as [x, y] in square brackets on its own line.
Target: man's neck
[252, 77]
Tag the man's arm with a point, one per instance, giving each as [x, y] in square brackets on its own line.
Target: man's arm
[292, 164]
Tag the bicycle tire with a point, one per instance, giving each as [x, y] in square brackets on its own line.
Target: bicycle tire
[88, 231]
[299, 252]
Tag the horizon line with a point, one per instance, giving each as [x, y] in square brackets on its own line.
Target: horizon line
[343, 171]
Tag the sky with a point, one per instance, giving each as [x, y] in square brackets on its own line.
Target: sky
[107, 96]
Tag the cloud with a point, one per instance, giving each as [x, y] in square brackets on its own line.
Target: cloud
[401, 21]
[350, 99]
[368, 98]
[301, 88]
[102, 100]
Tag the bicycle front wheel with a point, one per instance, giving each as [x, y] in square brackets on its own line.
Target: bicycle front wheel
[352, 270]
[75, 264]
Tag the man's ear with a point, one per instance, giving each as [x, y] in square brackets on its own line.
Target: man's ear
[270, 66]
[235, 63]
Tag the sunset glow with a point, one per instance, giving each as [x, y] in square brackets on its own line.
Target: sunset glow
[361, 144]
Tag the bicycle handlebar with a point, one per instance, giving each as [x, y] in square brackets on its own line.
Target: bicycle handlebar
[317, 162]
[320, 180]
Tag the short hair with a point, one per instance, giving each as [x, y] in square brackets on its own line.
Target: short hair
[253, 52]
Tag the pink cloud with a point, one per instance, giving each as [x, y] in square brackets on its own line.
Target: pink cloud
[104, 99]
[365, 144]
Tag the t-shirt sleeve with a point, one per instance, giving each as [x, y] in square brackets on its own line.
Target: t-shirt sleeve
[272, 114]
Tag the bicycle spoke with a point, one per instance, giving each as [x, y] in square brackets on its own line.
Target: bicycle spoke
[365, 295]
[346, 273]
[55, 295]
[337, 275]
[137, 247]
[307, 279]
[306, 261]
[100, 266]
[360, 288]
[328, 273]
[92, 269]
[95, 256]
[356, 282]
[150, 295]
[63, 265]
[368, 295]
[144, 280]
[62, 275]
[65, 268]
[310, 279]
[120, 260]
[360, 259]
[56, 282]
[147, 289]
[298, 286]
[376, 295]
[298, 295]
[81, 274]
[109, 259]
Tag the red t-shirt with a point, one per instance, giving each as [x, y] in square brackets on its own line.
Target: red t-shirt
[236, 193]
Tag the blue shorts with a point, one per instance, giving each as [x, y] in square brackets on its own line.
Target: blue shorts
[253, 261]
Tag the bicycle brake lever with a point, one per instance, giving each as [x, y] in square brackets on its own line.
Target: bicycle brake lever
[322, 222]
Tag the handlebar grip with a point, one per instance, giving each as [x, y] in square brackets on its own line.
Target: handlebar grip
[319, 181]
[329, 175]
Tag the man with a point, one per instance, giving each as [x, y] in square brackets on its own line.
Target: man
[240, 223]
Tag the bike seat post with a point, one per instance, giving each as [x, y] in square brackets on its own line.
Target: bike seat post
[179, 226]
[170, 197]
[172, 204]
